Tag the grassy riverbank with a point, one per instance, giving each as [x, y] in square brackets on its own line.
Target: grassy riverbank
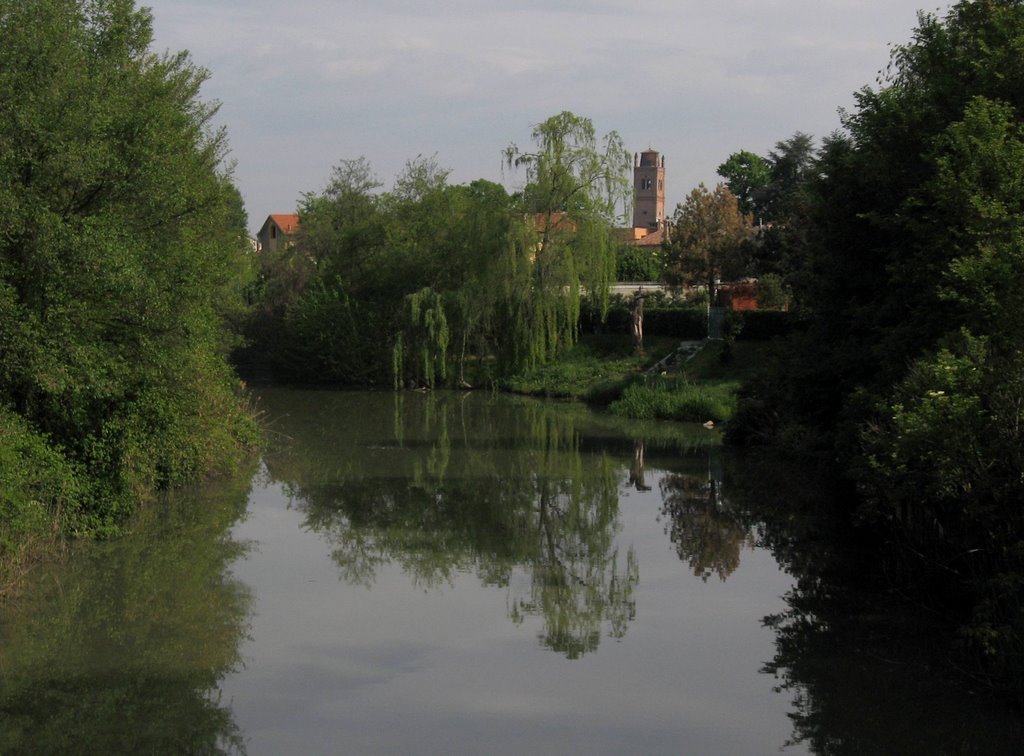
[596, 366]
[603, 370]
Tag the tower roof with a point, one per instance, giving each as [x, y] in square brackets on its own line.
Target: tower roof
[649, 157]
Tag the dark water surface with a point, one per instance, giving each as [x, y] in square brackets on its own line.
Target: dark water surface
[445, 573]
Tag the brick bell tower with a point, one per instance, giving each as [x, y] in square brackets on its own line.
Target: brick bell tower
[648, 190]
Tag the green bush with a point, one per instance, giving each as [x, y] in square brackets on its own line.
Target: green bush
[37, 484]
[595, 369]
[616, 320]
[603, 392]
[569, 377]
[772, 294]
[635, 263]
[690, 323]
[328, 338]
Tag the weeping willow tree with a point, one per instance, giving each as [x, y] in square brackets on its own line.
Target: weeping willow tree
[446, 276]
[489, 263]
[574, 188]
[508, 275]
[425, 338]
[466, 249]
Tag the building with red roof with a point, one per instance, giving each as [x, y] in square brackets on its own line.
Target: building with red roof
[277, 230]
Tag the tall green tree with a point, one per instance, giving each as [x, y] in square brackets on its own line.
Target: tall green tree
[774, 191]
[415, 284]
[747, 175]
[477, 267]
[574, 188]
[120, 240]
[319, 315]
[791, 163]
[342, 227]
[708, 235]
[910, 366]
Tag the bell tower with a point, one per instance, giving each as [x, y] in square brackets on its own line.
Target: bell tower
[648, 190]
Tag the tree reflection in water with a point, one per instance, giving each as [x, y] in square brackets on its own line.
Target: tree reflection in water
[121, 650]
[524, 495]
[855, 660]
[707, 529]
[858, 669]
[471, 486]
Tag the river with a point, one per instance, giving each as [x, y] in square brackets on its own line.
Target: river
[461, 573]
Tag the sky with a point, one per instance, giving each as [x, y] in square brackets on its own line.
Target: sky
[305, 84]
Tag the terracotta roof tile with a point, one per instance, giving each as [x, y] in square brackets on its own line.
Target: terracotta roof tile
[288, 223]
[652, 239]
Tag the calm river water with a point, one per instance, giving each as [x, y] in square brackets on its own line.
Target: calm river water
[458, 574]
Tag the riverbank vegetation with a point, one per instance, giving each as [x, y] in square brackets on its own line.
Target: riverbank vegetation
[123, 252]
[690, 381]
[431, 284]
[702, 389]
[898, 247]
[905, 254]
[598, 364]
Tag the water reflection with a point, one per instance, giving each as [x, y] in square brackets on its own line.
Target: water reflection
[706, 527]
[441, 484]
[524, 495]
[122, 650]
[857, 666]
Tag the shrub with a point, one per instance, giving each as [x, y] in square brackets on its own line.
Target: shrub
[674, 398]
[37, 484]
[688, 322]
[635, 263]
[771, 292]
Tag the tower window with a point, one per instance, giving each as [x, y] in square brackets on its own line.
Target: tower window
[645, 183]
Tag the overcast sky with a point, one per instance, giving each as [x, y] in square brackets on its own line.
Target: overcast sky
[305, 83]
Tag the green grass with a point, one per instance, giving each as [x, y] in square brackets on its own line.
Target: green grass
[603, 370]
[721, 362]
[676, 397]
[596, 365]
[702, 389]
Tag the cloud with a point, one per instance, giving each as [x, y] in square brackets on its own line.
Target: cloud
[306, 83]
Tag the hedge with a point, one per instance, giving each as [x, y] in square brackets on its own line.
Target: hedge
[678, 322]
[687, 322]
[764, 324]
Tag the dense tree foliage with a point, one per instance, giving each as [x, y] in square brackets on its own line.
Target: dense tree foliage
[791, 165]
[435, 284]
[912, 364]
[773, 190]
[121, 253]
[709, 232]
[747, 175]
[573, 190]
[639, 263]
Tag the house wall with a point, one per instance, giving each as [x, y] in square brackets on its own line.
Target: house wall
[738, 296]
[272, 236]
